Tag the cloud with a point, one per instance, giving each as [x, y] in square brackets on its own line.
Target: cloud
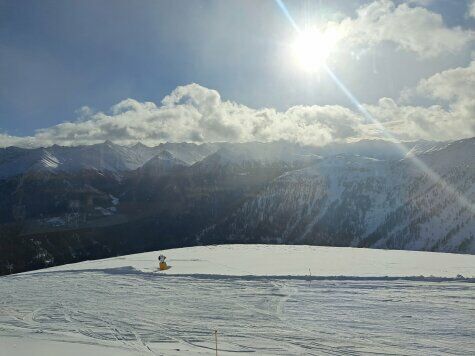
[409, 122]
[7, 140]
[471, 9]
[419, 2]
[193, 113]
[453, 87]
[410, 28]
[456, 84]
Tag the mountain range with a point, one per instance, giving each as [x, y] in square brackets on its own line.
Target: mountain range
[67, 204]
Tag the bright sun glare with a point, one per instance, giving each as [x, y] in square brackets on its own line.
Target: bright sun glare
[312, 48]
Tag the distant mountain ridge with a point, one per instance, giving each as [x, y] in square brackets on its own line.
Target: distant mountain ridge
[108, 156]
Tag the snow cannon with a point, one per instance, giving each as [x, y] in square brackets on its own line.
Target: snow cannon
[161, 263]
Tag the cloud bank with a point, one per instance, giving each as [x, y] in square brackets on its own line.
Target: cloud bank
[193, 113]
[411, 28]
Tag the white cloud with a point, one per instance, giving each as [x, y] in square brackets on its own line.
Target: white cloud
[7, 140]
[471, 9]
[196, 114]
[410, 28]
[193, 113]
[456, 84]
[408, 122]
[420, 2]
[455, 88]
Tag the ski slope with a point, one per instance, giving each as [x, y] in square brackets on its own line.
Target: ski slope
[289, 261]
[262, 299]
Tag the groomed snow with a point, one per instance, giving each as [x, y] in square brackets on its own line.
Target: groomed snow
[285, 260]
[260, 298]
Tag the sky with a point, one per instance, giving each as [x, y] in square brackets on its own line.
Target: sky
[82, 72]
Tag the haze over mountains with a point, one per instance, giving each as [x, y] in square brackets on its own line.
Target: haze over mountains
[66, 204]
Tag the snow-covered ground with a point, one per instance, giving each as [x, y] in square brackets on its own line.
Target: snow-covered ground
[289, 261]
[266, 300]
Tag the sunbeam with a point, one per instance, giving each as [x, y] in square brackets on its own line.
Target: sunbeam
[433, 176]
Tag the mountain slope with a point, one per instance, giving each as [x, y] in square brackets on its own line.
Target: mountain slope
[359, 201]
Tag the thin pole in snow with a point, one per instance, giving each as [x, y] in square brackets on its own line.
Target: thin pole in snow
[310, 277]
[216, 341]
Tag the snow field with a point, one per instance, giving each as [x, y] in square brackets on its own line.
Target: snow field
[350, 306]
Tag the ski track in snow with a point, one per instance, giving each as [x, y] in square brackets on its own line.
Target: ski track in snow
[147, 313]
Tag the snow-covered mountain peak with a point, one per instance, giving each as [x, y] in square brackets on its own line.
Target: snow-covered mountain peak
[161, 163]
[109, 143]
[140, 145]
[164, 157]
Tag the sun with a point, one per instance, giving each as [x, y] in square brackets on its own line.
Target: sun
[312, 48]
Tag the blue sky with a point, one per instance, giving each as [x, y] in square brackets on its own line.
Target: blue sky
[59, 56]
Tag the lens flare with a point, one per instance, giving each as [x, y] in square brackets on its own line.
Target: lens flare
[312, 48]
[314, 57]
